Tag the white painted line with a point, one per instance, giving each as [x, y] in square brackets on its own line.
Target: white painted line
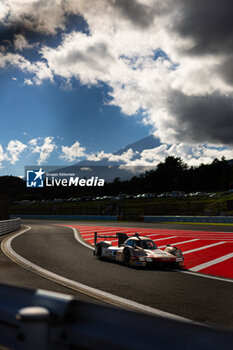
[79, 238]
[92, 234]
[203, 247]
[140, 232]
[151, 234]
[196, 231]
[191, 240]
[92, 292]
[94, 230]
[203, 275]
[212, 262]
[163, 239]
[146, 234]
[109, 232]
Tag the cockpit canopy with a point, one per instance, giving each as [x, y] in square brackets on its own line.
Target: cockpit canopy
[143, 243]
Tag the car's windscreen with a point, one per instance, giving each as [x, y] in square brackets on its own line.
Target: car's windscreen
[148, 244]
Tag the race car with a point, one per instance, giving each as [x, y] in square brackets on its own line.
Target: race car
[136, 250]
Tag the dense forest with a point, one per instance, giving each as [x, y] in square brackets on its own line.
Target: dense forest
[171, 175]
[175, 175]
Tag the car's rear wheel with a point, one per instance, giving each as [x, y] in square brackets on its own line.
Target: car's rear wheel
[127, 257]
[99, 252]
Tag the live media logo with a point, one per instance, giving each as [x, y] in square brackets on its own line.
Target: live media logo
[35, 178]
[39, 178]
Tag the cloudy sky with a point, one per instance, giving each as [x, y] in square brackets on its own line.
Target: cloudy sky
[80, 79]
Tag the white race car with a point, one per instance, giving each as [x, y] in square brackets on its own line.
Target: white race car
[137, 250]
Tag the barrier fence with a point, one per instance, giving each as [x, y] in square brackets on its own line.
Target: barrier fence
[37, 319]
[192, 219]
[154, 218]
[7, 226]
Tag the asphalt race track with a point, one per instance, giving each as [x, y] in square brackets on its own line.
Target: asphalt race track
[53, 247]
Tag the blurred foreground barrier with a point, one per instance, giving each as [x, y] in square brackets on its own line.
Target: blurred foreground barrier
[7, 226]
[176, 218]
[42, 320]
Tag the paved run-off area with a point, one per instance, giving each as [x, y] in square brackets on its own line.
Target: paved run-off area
[206, 252]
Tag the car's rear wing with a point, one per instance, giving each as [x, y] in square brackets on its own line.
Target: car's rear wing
[122, 237]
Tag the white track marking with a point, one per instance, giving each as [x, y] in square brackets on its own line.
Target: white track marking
[151, 234]
[203, 275]
[101, 230]
[116, 229]
[109, 232]
[81, 240]
[195, 231]
[92, 231]
[203, 247]
[191, 240]
[86, 235]
[163, 239]
[82, 288]
[212, 262]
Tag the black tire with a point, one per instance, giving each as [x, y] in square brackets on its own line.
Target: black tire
[127, 257]
[99, 252]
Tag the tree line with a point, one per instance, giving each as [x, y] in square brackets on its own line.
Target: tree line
[173, 174]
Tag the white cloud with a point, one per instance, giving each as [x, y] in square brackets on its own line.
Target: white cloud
[33, 142]
[28, 82]
[193, 155]
[4, 10]
[2, 156]
[85, 169]
[39, 16]
[39, 70]
[14, 150]
[125, 157]
[21, 43]
[73, 152]
[120, 51]
[146, 54]
[44, 147]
